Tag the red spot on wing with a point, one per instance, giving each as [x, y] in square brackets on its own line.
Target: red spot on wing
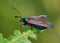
[39, 22]
[31, 21]
[45, 24]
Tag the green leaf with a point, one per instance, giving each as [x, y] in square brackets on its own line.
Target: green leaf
[11, 37]
[23, 40]
[17, 33]
[3, 40]
[1, 37]
[19, 37]
[32, 34]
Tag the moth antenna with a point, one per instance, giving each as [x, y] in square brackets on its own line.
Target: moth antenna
[17, 12]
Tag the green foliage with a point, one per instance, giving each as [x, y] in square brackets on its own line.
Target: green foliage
[19, 37]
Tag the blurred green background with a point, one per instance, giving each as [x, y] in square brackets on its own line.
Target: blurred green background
[8, 23]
